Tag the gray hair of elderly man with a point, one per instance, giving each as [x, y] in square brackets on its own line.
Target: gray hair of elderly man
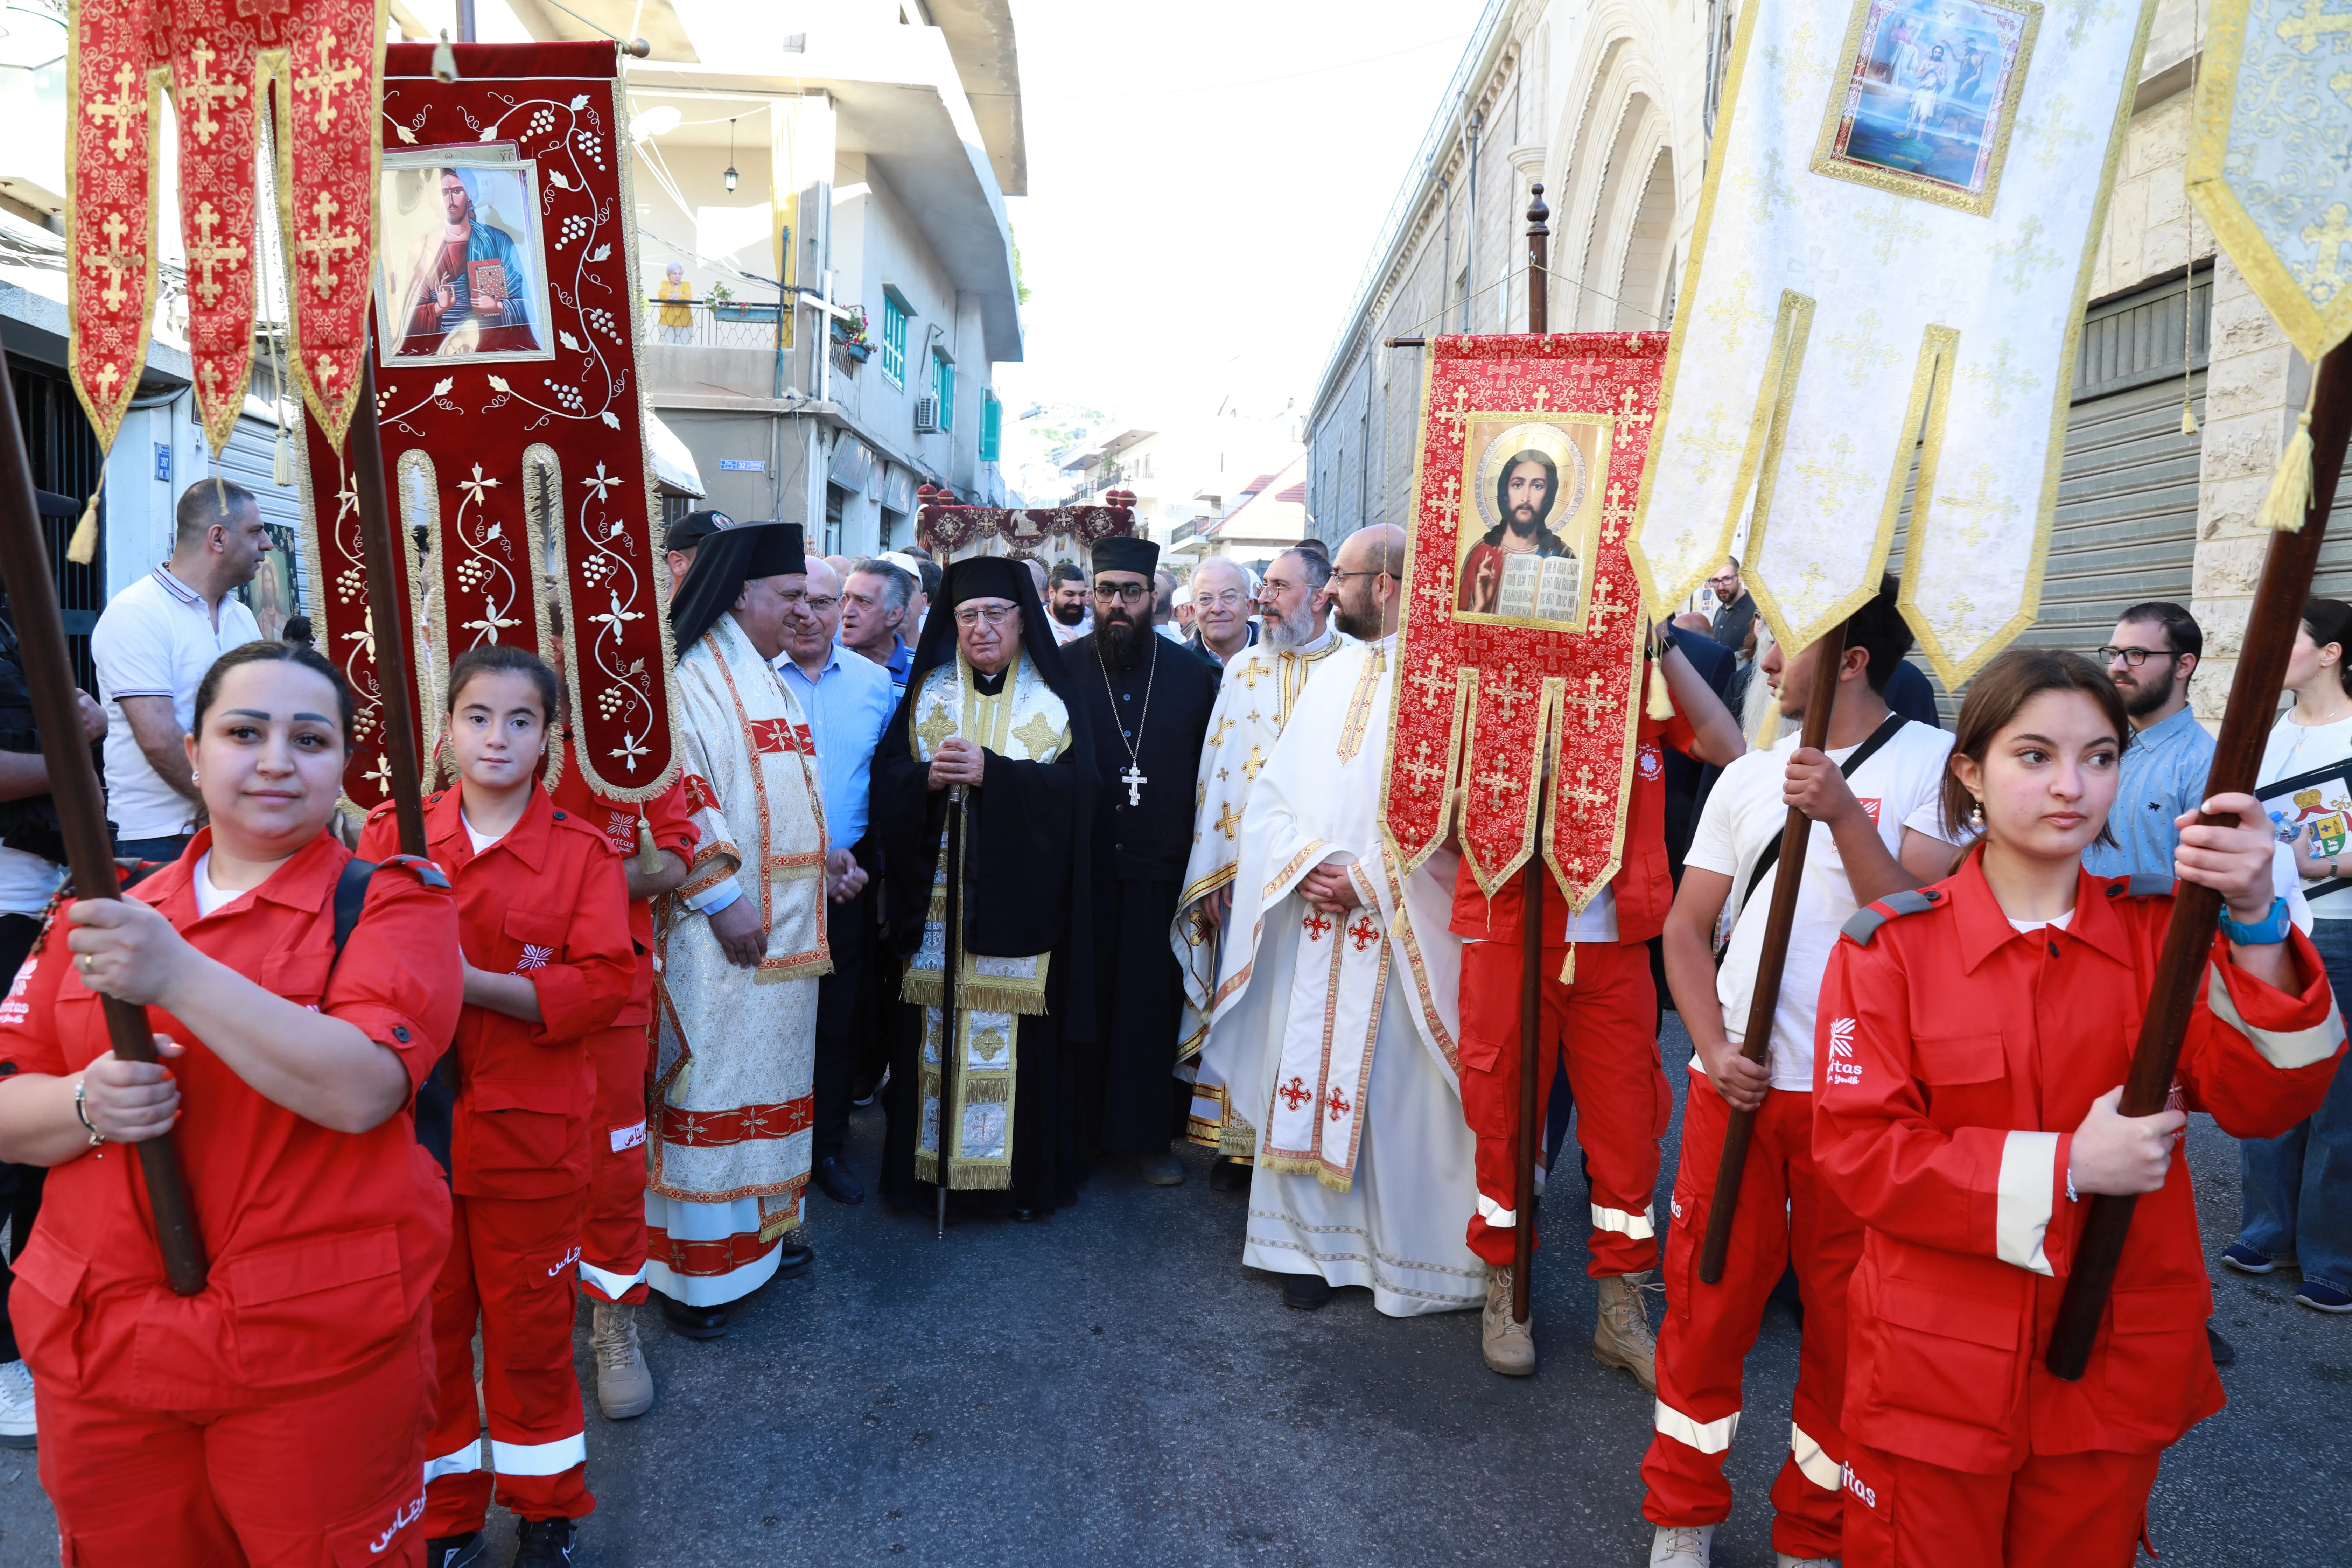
[1248, 579]
[897, 583]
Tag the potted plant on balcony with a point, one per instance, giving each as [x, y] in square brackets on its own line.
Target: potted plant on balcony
[724, 307]
[852, 335]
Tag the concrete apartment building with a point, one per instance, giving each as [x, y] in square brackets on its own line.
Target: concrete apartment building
[1612, 105]
[831, 179]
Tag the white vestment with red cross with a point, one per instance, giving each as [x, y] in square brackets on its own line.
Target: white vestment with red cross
[1335, 1030]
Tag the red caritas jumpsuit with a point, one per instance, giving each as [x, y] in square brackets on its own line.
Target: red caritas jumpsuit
[281, 1416]
[1604, 1023]
[547, 902]
[1955, 1057]
[612, 1244]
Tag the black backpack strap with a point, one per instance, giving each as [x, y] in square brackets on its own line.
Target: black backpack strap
[351, 898]
[436, 1097]
[1861, 754]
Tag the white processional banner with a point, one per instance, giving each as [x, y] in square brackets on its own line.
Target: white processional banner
[1895, 244]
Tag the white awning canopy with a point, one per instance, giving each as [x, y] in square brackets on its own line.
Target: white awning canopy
[673, 464]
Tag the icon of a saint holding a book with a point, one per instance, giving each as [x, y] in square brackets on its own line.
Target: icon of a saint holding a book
[467, 290]
[1520, 568]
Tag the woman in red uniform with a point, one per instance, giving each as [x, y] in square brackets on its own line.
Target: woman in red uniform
[1970, 1054]
[281, 1416]
[545, 926]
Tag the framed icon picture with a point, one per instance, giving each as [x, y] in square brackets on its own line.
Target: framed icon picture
[1925, 95]
[461, 272]
[2316, 807]
[1530, 508]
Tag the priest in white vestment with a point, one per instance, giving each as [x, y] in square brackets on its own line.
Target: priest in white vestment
[1335, 1014]
[742, 945]
[1262, 686]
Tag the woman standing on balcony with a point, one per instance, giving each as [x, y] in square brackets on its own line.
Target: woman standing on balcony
[676, 319]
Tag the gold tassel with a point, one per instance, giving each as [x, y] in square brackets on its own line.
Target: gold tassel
[648, 852]
[281, 461]
[1568, 967]
[2290, 496]
[83, 547]
[1662, 700]
[444, 62]
[2187, 420]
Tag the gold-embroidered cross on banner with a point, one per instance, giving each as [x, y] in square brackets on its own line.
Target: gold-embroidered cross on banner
[323, 81]
[198, 97]
[1505, 691]
[1590, 700]
[321, 247]
[115, 261]
[1597, 613]
[1499, 784]
[1617, 513]
[1629, 408]
[1421, 769]
[1979, 506]
[1863, 351]
[210, 252]
[1459, 413]
[1711, 445]
[2304, 29]
[1433, 679]
[2025, 257]
[1542, 399]
[1893, 224]
[1835, 477]
[124, 109]
[2001, 378]
[108, 375]
[1732, 312]
[935, 729]
[2324, 276]
[1585, 797]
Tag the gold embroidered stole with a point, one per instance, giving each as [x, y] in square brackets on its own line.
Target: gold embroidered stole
[1025, 722]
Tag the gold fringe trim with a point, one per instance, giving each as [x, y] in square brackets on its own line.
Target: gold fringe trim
[1305, 1165]
[813, 967]
[2290, 498]
[965, 1176]
[1238, 1140]
[921, 987]
[83, 546]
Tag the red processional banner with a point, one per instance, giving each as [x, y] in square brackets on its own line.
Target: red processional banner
[219, 59]
[512, 419]
[1521, 637]
[949, 530]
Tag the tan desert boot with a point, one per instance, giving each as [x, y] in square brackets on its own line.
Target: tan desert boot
[624, 1384]
[1508, 1346]
[1622, 1337]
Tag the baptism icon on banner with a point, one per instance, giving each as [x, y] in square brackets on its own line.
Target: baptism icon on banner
[1928, 91]
[1529, 479]
[462, 270]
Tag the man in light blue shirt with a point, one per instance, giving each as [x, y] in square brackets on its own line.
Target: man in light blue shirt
[2154, 652]
[849, 699]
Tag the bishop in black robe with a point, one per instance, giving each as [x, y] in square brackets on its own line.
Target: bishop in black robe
[1148, 700]
[1027, 883]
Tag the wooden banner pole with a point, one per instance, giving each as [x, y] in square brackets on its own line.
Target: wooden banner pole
[1531, 898]
[81, 813]
[1829, 653]
[387, 618]
[2279, 597]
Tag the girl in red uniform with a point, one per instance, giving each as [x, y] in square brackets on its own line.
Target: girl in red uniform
[545, 926]
[1969, 1058]
[279, 1417]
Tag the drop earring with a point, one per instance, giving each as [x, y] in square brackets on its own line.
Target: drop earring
[1975, 817]
[194, 777]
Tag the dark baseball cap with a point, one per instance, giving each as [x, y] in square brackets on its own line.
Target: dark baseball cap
[694, 528]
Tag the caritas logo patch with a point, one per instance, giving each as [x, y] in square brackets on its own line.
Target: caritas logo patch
[1651, 762]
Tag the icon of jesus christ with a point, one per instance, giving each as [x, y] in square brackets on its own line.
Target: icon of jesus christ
[465, 294]
[1525, 495]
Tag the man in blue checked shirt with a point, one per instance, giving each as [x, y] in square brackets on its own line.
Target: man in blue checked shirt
[849, 699]
[2150, 657]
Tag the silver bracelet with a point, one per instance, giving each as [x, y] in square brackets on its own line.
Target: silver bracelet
[81, 1112]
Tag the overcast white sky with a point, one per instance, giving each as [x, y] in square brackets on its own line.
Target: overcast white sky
[1186, 236]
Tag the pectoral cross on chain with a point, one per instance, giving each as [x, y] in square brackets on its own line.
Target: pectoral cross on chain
[1134, 779]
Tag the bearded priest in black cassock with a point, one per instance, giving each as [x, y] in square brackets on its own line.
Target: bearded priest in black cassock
[990, 705]
[1148, 700]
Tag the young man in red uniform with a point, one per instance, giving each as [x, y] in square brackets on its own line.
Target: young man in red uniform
[1877, 793]
[1968, 1062]
[543, 917]
[279, 1417]
[613, 1246]
[1603, 1024]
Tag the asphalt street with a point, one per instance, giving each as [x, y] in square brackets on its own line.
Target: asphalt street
[1114, 1387]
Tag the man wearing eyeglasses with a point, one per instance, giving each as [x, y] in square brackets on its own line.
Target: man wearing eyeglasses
[1734, 605]
[847, 699]
[1148, 702]
[2150, 657]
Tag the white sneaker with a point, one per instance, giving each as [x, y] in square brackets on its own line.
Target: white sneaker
[1682, 1546]
[16, 1427]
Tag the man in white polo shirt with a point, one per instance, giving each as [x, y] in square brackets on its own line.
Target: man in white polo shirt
[153, 646]
[1874, 799]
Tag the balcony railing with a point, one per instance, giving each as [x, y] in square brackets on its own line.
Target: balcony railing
[713, 324]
